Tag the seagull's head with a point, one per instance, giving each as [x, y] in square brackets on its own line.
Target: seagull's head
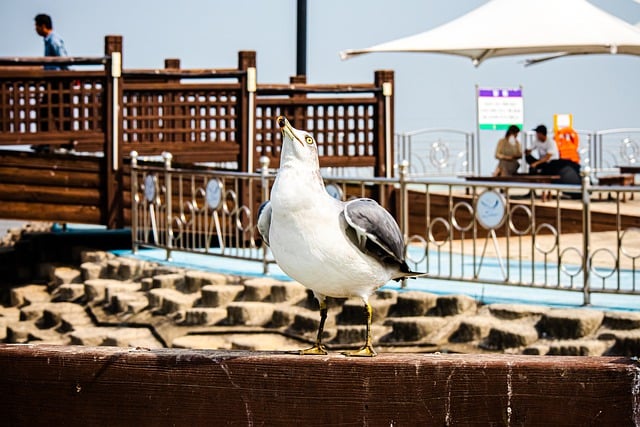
[297, 145]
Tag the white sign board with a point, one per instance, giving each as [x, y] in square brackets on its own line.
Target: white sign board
[500, 108]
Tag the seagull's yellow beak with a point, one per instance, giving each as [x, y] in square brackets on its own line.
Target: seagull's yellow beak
[287, 129]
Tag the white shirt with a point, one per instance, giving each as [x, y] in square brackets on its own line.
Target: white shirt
[546, 147]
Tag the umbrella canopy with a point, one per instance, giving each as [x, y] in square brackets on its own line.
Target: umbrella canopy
[520, 27]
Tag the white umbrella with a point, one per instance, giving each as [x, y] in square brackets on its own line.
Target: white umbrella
[520, 27]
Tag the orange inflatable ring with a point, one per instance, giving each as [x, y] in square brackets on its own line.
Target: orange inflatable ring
[568, 141]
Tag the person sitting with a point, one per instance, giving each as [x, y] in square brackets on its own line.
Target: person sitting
[508, 152]
[569, 163]
[547, 161]
[568, 142]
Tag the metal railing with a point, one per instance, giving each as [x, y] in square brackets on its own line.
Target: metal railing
[484, 232]
[437, 152]
[616, 147]
[199, 211]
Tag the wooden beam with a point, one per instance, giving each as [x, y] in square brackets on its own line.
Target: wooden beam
[51, 177]
[47, 194]
[97, 385]
[51, 212]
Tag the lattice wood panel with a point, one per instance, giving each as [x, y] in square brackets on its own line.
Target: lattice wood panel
[181, 114]
[61, 104]
[344, 129]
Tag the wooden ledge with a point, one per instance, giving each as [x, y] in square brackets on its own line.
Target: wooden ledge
[107, 385]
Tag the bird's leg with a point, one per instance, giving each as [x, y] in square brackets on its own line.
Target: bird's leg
[367, 350]
[319, 348]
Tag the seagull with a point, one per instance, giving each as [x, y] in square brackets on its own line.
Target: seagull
[336, 249]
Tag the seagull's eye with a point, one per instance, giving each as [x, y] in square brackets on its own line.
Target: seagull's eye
[309, 140]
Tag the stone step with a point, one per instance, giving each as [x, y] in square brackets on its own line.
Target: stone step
[92, 270]
[195, 280]
[27, 331]
[68, 292]
[453, 305]
[258, 289]
[167, 300]
[413, 303]
[357, 335]
[95, 256]
[510, 334]
[128, 302]
[54, 313]
[205, 316]
[264, 342]
[626, 343]
[623, 320]
[117, 287]
[28, 294]
[114, 336]
[89, 336]
[129, 269]
[354, 313]
[284, 315]
[583, 347]
[580, 347]
[570, 323]
[291, 292]
[516, 311]
[100, 290]
[65, 275]
[72, 321]
[473, 328]
[249, 313]
[219, 295]
[131, 337]
[413, 329]
[10, 314]
[306, 320]
[169, 281]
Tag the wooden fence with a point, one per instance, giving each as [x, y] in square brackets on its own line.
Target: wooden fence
[62, 385]
[201, 115]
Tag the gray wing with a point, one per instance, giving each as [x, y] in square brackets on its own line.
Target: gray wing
[375, 231]
[264, 221]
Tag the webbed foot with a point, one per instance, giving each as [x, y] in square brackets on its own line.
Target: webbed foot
[317, 349]
[366, 351]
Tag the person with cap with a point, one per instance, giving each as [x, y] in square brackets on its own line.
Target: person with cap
[547, 161]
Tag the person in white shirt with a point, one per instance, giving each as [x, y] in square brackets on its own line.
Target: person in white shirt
[547, 161]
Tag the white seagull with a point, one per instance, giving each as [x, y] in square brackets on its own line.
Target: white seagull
[337, 249]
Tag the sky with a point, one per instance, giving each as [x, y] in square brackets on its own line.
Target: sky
[431, 91]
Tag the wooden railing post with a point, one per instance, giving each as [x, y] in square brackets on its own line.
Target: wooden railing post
[114, 207]
[247, 111]
[170, 106]
[385, 123]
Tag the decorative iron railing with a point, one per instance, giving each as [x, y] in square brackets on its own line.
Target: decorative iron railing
[484, 232]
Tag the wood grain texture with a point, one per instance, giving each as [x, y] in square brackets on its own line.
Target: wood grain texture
[116, 386]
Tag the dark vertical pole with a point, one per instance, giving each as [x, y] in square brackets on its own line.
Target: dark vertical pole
[301, 57]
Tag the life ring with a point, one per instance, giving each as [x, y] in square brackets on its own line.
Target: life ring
[568, 141]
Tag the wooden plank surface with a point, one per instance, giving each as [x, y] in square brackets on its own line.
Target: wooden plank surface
[58, 385]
